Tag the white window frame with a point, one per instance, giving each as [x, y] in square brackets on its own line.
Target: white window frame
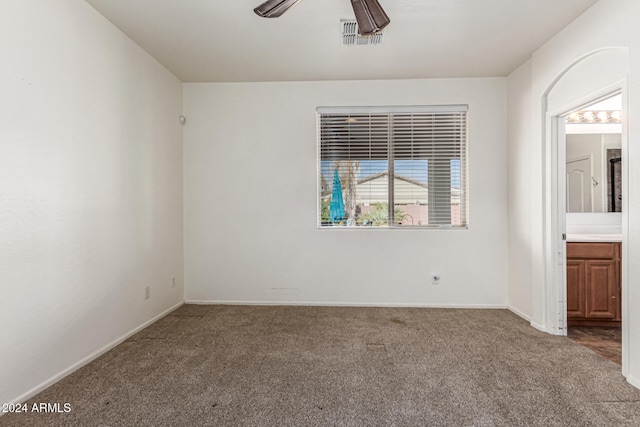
[390, 111]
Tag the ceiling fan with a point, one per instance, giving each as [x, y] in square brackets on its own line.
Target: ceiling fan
[369, 14]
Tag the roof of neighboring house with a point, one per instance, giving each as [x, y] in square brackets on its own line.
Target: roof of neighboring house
[395, 176]
[374, 189]
[408, 191]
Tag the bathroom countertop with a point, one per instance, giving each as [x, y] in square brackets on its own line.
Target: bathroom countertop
[594, 237]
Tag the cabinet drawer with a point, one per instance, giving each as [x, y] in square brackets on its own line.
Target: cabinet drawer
[591, 250]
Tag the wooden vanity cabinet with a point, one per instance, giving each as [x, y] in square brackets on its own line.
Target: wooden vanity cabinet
[593, 284]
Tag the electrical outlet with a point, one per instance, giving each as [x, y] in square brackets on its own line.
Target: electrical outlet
[435, 279]
[147, 292]
[173, 282]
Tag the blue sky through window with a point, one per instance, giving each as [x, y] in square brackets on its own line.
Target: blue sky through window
[406, 168]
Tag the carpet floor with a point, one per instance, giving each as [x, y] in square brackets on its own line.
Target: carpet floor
[329, 366]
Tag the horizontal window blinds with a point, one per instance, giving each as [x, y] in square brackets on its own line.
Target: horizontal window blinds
[406, 166]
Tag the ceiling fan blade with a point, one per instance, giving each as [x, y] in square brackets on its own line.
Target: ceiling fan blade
[370, 16]
[274, 8]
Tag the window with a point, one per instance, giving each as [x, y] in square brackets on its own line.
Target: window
[392, 166]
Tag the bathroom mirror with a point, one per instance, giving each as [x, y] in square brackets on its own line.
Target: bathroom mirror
[594, 157]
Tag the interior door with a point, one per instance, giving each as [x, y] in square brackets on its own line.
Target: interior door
[558, 319]
[579, 188]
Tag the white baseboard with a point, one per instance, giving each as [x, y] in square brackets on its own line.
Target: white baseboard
[634, 381]
[533, 324]
[539, 327]
[26, 396]
[346, 304]
[519, 313]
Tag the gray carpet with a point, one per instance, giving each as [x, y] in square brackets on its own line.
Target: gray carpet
[319, 366]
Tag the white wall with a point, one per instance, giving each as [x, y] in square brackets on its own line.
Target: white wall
[90, 193]
[519, 151]
[609, 23]
[251, 200]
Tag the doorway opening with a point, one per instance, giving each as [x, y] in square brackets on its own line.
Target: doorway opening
[590, 205]
[590, 78]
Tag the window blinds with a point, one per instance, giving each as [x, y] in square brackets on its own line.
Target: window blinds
[398, 166]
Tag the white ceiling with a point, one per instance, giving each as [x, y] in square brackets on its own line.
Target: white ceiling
[224, 41]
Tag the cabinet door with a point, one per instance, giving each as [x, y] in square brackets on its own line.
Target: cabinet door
[575, 289]
[601, 289]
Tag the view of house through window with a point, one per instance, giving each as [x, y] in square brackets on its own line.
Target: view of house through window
[392, 166]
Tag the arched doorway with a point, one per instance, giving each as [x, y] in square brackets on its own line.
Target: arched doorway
[594, 76]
